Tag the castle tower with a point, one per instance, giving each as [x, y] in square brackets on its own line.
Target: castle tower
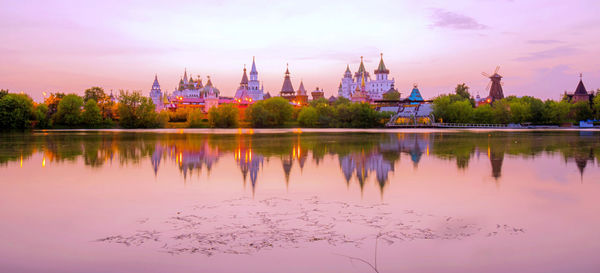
[381, 84]
[345, 89]
[242, 93]
[301, 95]
[287, 90]
[156, 94]
[254, 89]
[317, 94]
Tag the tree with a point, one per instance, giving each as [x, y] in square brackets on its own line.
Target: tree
[391, 95]
[463, 91]
[16, 111]
[69, 110]
[272, 112]
[42, 120]
[319, 101]
[136, 111]
[519, 111]
[483, 114]
[501, 110]
[91, 114]
[224, 116]
[582, 111]
[308, 117]
[195, 118]
[3, 92]
[557, 112]
[596, 105]
[94, 93]
[461, 111]
[52, 102]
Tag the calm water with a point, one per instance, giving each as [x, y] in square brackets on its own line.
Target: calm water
[300, 201]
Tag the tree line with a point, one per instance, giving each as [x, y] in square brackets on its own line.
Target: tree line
[460, 107]
[96, 109]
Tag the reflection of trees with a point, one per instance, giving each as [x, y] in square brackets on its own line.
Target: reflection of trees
[360, 155]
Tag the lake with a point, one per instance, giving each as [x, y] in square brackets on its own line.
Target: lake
[296, 200]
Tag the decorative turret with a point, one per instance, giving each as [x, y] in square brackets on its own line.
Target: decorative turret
[347, 73]
[244, 81]
[381, 69]
[301, 89]
[317, 94]
[253, 71]
[415, 95]
[156, 94]
[287, 90]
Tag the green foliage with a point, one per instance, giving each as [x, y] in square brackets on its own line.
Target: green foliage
[483, 114]
[69, 111]
[453, 109]
[391, 95]
[582, 111]
[224, 116]
[308, 117]
[94, 93]
[136, 111]
[462, 90]
[557, 112]
[16, 111]
[163, 119]
[91, 115]
[272, 112]
[596, 105]
[41, 117]
[196, 119]
[3, 92]
[320, 101]
[179, 115]
[52, 102]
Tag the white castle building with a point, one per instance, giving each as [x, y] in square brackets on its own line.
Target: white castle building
[250, 88]
[189, 93]
[374, 88]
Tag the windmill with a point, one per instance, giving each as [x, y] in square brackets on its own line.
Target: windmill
[495, 85]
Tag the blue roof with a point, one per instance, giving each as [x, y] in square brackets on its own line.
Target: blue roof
[415, 95]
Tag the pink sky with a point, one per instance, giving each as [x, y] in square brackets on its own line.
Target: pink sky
[68, 46]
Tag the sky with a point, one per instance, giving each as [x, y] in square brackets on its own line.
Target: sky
[68, 46]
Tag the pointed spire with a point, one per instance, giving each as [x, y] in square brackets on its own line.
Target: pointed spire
[244, 81]
[253, 69]
[287, 87]
[361, 68]
[287, 69]
[301, 89]
[185, 73]
[580, 90]
[348, 68]
[381, 69]
[208, 82]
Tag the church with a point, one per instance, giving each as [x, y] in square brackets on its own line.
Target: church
[250, 90]
[373, 88]
[189, 93]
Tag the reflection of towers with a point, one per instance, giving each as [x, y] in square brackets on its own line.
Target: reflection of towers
[287, 162]
[496, 159]
[190, 159]
[581, 160]
[415, 145]
[249, 162]
[362, 164]
[156, 157]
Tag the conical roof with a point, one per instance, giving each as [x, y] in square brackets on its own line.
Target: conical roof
[301, 89]
[209, 83]
[155, 83]
[347, 68]
[415, 94]
[361, 68]
[287, 83]
[253, 69]
[580, 90]
[244, 78]
[381, 69]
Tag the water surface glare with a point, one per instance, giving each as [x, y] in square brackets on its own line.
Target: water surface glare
[296, 200]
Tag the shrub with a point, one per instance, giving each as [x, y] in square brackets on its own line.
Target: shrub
[224, 116]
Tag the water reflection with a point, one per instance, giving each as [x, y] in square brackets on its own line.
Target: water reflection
[360, 155]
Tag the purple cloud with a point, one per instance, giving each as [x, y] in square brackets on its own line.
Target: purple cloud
[447, 19]
[549, 53]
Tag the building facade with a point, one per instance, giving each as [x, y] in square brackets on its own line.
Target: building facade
[374, 88]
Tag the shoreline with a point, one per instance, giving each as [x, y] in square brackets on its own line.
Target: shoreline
[319, 130]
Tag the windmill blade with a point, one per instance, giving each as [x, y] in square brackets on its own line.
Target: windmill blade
[485, 74]
[497, 69]
[502, 83]
[488, 86]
